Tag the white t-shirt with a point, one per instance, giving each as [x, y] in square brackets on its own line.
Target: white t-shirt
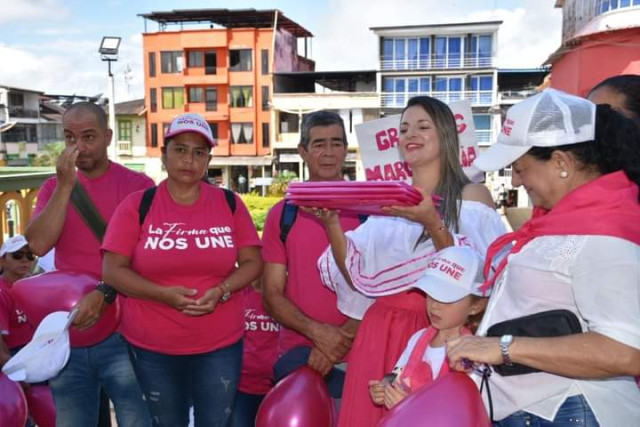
[597, 278]
[382, 257]
[434, 356]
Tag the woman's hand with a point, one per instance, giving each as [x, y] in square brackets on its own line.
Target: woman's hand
[328, 217]
[393, 394]
[474, 349]
[376, 390]
[206, 304]
[177, 296]
[424, 213]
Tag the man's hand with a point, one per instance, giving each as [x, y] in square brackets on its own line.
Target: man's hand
[90, 309]
[206, 304]
[177, 297]
[66, 166]
[319, 362]
[393, 394]
[331, 340]
[376, 390]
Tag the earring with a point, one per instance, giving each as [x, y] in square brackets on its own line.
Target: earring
[564, 174]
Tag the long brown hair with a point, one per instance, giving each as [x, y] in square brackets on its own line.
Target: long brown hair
[452, 178]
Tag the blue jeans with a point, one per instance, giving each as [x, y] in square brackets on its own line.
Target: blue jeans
[574, 412]
[245, 409]
[171, 384]
[298, 357]
[76, 390]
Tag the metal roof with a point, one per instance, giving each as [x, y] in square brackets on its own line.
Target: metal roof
[237, 18]
[454, 24]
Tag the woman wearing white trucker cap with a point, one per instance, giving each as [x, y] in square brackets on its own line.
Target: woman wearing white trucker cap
[580, 165]
[181, 262]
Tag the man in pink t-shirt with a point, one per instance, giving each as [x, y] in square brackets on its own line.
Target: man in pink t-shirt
[57, 223]
[313, 330]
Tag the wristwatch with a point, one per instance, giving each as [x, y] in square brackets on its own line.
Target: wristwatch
[227, 292]
[505, 343]
[109, 292]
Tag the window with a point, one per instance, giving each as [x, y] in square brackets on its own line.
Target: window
[196, 94]
[405, 53]
[448, 52]
[265, 135]
[154, 134]
[240, 60]
[480, 55]
[482, 123]
[195, 59]
[172, 98]
[16, 99]
[397, 90]
[210, 62]
[265, 98]
[448, 88]
[153, 99]
[211, 99]
[603, 6]
[124, 130]
[265, 61]
[214, 130]
[241, 96]
[152, 64]
[482, 90]
[289, 122]
[171, 62]
[242, 133]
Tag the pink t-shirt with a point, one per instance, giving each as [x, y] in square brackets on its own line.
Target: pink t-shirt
[14, 325]
[77, 248]
[195, 246]
[260, 345]
[306, 241]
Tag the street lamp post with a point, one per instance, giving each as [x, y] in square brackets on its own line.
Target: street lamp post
[109, 53]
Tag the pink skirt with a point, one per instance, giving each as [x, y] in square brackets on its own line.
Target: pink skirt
[382, 336]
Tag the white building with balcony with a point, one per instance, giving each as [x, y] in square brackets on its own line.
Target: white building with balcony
[351, 94]
[446, 61]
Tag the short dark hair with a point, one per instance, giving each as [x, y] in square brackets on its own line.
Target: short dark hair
[627, 85]
[89, 107]
[320, 118]
[616, 146]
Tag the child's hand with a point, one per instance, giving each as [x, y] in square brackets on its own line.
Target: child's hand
[393, 394]
[376, 389]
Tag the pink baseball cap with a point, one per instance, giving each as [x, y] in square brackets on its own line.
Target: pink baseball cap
[191, 122]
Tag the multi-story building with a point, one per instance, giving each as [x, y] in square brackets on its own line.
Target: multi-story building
[600, 39]
[352, 94]
[23, 130]
[449, 62]
[221, 67]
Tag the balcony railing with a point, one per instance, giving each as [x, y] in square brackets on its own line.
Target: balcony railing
[399, 100]
[435, 62]
[483, 136]
[21, 112]
[124, 148]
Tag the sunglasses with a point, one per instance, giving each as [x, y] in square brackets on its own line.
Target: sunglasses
[19, 255]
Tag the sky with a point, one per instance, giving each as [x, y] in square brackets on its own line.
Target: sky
[52, 45]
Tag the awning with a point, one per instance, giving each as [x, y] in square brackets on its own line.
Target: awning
[242, 161]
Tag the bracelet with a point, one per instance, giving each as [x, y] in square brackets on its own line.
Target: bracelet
[226, 294]
[109, 292]
[441, 228]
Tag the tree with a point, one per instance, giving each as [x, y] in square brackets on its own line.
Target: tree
[50, 155]
[281, 182]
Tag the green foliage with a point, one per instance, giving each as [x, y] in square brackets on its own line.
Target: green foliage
[50, 155]
[259, 207]
[281, 182]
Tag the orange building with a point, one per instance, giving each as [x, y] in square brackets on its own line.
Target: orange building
[222, 68]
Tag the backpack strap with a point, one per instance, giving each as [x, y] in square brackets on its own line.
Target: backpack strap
[362, 218]
[287, 218]
[147, 198]
[145, 203]
[88, 211]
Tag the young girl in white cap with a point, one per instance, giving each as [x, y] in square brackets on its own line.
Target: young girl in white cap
[451, 282]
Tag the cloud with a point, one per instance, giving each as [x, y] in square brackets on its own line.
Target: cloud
[344, 41]
[32, 10]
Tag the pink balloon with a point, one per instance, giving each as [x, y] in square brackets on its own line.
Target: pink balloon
[13, 405]
[453, 400]
[60, 291]
[300, 399]
[41, 406]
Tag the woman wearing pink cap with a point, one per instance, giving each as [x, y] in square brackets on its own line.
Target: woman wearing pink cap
[574, 262]
[181, 252]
